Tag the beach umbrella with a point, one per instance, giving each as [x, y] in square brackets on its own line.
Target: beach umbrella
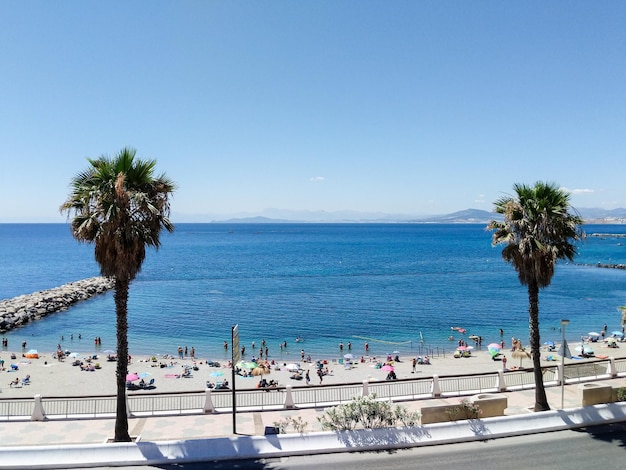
[247, 365]
[593, 333]
[462, 348]
[494, 349]
[144, 375]
[292, 366]
[617, 333]
[521, 355]
[260, 371]
[108, 351]
[131, 377]
[396, 352]
[387, 368]
[584, 349]
[348, 356]
[216, 373]
[73, 355]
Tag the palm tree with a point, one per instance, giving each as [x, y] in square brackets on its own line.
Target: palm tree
[538, 229]
[120, 205]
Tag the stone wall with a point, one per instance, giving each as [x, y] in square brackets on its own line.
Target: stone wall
[21, 310]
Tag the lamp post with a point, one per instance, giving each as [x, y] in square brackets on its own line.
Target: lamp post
[564, 323]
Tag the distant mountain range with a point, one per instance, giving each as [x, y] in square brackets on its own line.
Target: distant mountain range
[467, 216]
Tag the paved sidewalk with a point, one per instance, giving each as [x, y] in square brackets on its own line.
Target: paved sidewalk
[189, 427]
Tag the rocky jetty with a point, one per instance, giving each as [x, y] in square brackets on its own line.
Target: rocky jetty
[20, 310]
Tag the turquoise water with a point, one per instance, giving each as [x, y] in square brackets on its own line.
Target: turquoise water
[385, 284]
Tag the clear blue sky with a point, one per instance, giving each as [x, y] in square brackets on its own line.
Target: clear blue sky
[403, 107]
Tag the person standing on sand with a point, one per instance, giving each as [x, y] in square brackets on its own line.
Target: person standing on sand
[504, 362]
[414, 364]
[193, 352]
[307, 377]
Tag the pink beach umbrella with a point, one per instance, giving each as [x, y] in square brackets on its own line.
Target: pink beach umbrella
[387, 368]
[131, 377]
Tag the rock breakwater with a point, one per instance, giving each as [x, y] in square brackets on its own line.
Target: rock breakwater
[23, 309]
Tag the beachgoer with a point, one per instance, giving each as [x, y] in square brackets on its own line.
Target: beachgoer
[267, 354]
[193, 352]
[504, 362]
[253, 345]
[307, 377]
[414, 364]
[302, 354]
[225, 345]
[23, 344]
[501, 332]
[186, 351]
[243, 350]
[367, 348]
[349, 346]
[340, 346]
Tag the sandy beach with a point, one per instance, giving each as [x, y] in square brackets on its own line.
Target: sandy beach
[52, 378]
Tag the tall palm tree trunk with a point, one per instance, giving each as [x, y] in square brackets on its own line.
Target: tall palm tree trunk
[121, 311]
[541, 400]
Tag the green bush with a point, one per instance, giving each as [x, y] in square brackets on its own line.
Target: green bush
[621, 394]
[367, 413]
[298, 425]
[465, 410]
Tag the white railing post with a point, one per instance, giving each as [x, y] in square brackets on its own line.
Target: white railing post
[288, 403]
[435, 390]
[208, 402]
[560, 374]
[366, 389]
[500, 382]
[38, 412]
[611, 369]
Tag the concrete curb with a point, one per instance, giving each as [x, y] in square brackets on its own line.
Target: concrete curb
[254, 447]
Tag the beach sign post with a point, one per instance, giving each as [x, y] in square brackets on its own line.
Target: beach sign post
[235, 357]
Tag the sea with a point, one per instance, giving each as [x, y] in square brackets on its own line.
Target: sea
[397, 287]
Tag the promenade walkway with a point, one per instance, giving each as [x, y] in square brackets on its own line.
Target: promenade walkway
[215, 425]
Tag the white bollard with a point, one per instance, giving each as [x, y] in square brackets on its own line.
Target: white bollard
[366, 389]
[128, 413]
[288, 403]
[208, 403]
[500, 382]
[38, 413]
[435, 390]
[610, 368]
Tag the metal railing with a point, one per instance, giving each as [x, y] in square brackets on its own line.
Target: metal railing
[195, 402]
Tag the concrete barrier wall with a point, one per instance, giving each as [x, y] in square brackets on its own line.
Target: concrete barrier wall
[247, 447]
